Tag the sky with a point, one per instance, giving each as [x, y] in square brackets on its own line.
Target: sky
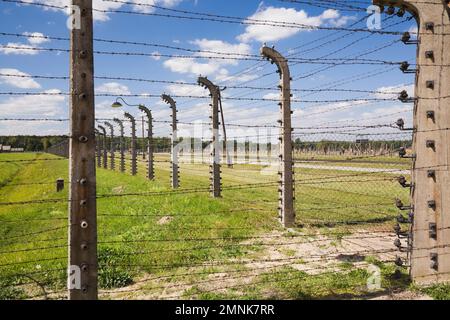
[28, 20]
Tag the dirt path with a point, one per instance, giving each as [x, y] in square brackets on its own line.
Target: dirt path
[312, 254]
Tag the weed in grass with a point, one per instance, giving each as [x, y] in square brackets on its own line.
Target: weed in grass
[9, 291]
[438, 292]
[112, 272]
[288, 252]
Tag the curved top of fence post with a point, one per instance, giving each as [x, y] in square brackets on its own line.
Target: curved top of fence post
[103, 130]
[207, 84]
[130, 117]
[415, 7]
[120, 123]
[168, 99]
[146, 110]
[408, 5]
[275, 57]
[110, 126]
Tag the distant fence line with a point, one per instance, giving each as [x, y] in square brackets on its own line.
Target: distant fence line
[61, 149]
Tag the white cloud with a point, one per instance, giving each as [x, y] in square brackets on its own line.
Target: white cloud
[113, 88]
[170, 3]
[19, 49]
[225, 77]
[341, 21]
[272, 96]
[222, 49]
[263, 33]
[198, 112]
[184, 66]
[186, 90]
[14, 128]
[398, 108]
[211, 66]
[35, 38]
[385, 92]
[18, 82]
[42, 106]
[108, 5]
[333, 108]
[97, 4]
[276, 96]
[330, 14]
[147, 8]
[143, 8]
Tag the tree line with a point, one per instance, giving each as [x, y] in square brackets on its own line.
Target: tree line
[32, 143]
[42, 143]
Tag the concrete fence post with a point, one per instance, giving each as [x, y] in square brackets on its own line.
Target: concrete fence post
[216, 184]
[429, 210]
[104, 148]
[121, 144]
[286, 188]
[175, 175]
[98, 151]
[112, 151]
[150, 153]
[133, 143]
[82, 260]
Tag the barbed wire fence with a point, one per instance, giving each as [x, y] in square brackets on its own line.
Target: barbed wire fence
[152, 241]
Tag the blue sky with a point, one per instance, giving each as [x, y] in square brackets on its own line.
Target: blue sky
[222, 37]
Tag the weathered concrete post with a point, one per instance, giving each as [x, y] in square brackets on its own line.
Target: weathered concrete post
[258, 155]
[236, 150]
[216, 184]
[430, 185]
[104, 149]
[121, 144]
[247, 150]
[112, 161]
[97, 148]
[175, 177]
[133, 143]
[143, 136]
[150, 156]
[83, 265]
[286, 190]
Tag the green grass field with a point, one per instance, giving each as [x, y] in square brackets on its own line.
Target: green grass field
[187, 245]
